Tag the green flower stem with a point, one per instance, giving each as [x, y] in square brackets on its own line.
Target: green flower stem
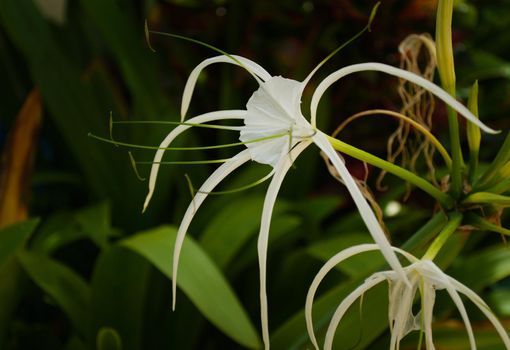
[451, 226]
[445, 65]
[404, 174]
[457, 160]
[474, 134]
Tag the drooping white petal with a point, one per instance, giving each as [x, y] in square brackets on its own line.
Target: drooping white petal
[403, 74]
[217, 176]
[346, 304]
[484, 308]
[280, 171]
[428, 296]
[364, 209]
[274, 112]
[204, 118]
[401, 318]
[325, 269]
[251, 66]
[462, 310]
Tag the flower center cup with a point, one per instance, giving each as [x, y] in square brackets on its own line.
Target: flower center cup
[274, 117]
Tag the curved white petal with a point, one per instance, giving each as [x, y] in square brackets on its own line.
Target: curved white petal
[428, 295]
[380, 67]
[204, 118]
[251, 66]
[344, 306]
[217, 176]
[462, 310]
[484, 308]
[400, 313]
[327, 267]
[280, 171]
[365, 211]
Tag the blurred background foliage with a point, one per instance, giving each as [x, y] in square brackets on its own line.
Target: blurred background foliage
[82, 268]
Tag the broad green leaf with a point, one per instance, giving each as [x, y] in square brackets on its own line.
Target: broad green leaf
[230, 229]
[284, 229]
[14, 236]
[237, 223]
[63, 285]
[319, 208]
[54, 232]
[108, 339]
[200, 280]
[484, 268]
[118, 295]
[62, 228]
[499, 301]
[95, 221]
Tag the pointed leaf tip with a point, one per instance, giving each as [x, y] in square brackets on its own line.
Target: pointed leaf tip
[373, 13]
[133, 163]
[147, 36]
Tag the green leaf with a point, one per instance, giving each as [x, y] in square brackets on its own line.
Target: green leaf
[499, 301]
[200, 280]
[118, 295]
[62, 284]
[14, 236]
[230, 229]
[483, 269]
[95, 221]
[108, 339]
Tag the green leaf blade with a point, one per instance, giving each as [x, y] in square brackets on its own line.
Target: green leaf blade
[200, 280]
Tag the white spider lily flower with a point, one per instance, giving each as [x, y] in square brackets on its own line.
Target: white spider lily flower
[424, 276]
[275, 132]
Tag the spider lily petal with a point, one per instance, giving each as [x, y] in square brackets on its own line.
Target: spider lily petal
[400, 73]
[280, 171]
[204, 118]
[425, 276]
[364, 209]
[483, 308]
[328, 266]
[251, 66]
[217, 176]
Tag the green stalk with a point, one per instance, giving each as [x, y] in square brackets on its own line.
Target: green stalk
[474, 134]
[404, 174]
[451, 226]
[445, 65]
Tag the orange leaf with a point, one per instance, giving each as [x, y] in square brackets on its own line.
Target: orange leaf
[17, 161]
